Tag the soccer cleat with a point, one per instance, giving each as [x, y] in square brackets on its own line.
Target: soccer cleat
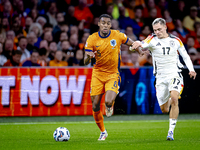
[170, 136]
[109, 111]
[103, 136]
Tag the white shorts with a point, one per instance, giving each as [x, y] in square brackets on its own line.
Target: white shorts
[165, 85]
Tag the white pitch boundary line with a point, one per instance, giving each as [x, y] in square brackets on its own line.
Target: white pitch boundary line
[89, 122]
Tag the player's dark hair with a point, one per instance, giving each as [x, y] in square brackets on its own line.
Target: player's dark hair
[105, 16]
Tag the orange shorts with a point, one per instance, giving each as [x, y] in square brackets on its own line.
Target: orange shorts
[102, 83]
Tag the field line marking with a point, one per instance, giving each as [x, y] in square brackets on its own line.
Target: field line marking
[90, 122]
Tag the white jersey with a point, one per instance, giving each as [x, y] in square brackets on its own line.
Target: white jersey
[165, 54]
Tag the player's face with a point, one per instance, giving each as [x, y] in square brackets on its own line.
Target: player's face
[104, 25]
[160, 30]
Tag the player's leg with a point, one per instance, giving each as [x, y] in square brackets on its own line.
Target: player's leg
[176, 87]
[97, 90]
[109, 102]
[112, 89]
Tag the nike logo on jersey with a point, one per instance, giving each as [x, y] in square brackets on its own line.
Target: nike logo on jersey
[158, 44]
[98, 45]
[176, 87]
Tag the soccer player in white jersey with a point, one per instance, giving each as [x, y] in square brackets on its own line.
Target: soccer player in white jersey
[165, 49]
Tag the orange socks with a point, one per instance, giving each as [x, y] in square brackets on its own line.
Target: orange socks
[98, 117]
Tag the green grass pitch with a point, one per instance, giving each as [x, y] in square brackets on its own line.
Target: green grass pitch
[135, 134]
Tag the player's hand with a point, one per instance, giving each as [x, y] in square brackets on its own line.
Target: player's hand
[90, 54]
[192, 74]
[136, 44]
[141, 52]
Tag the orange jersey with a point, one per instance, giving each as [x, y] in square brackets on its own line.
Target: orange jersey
[107, 50]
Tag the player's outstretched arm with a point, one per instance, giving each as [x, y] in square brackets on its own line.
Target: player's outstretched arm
[137, 45]
[88, 56]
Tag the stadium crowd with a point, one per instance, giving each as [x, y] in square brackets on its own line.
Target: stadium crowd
[53, 33]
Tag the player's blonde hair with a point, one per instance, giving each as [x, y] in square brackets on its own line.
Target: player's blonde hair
[159, 20]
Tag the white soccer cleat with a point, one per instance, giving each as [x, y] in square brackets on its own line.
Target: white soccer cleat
[170, 136]
[109, 111]
[103, 136]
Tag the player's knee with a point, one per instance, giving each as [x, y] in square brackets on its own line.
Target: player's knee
[108, 103]
[174, 100]
[164, 110]
[95, 107]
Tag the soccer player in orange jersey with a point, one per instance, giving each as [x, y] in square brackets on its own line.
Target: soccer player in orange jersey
[105, 47]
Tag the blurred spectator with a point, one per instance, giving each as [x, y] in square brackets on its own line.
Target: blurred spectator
[48, 36]
[3, 59]
[47, 27]
[67, 53]
[116, 9]
[82, 12]
[182, 32]
[197, 61]
[22, 47]
[124, 21]
[31, 40]
[44, 44]
[193, 54]
[149, 61]
[34, 4]
[28, 23]
[125, 61]
[58, 60]
[163, 4]
[129, 32]
[130, 5]
[43, 59]
[69, 17]
[37, 28]
[16, 26]
[2, 38]
[5, 24]
[134, 59]
[73, 30]
[41, 20]
[60, 20]
[109, 9]
[52, 50]
[124, 47]
[138, 15]
[83, 40]
[169, 21]
[52, 10]
[19, 10]
[33, 14]
[152, 16]
[33, 60]
[190, 42]
[97, 5]
[94, 26]
[7, 9]
[145, 31]
[8, 48]
[189, 20]
[14, 60]
[63, 36]
[180, 11]
[73, 40]
[151, 5]
[78, 59]
[115, 24]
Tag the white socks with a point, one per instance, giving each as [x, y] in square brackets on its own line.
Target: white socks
[172, 124]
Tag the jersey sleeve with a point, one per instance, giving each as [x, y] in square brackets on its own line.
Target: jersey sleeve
[89, 44]
[185, 56]
[146, 42]
[123, 38]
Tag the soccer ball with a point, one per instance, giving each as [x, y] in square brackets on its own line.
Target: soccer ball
[61, 134]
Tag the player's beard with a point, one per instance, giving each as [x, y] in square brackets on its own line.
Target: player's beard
[105, 33]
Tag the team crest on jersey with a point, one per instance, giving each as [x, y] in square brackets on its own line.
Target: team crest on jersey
[171, 43]
[113, 43]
